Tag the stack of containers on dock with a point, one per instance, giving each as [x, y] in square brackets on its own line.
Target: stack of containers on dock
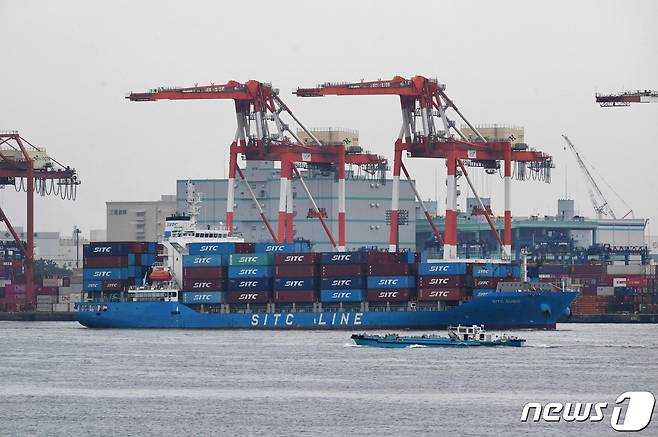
[631, 287]
[555, 274]
[588, 277]
[113, 267]
[250, 278]
[590, 304]
[296, 277]
[391, 276]
[205, 273]
[442, 281]
[342, 277]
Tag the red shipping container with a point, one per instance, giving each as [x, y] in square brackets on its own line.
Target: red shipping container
[204, 272]
[115, 261]
[298, 296]
[296, 270]
[391, 295]
[435, 294]
[114, 285]
[376, 257]
[247, 296]
[397, 269]
[14, 289]
[492, 282]
[50, 291]
[218, 284]
[637, 281]
[245, 247]
[440, 281]
[331, 270]
[305, 258]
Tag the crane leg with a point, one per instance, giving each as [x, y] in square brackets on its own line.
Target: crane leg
[395, 200]
[450, 240]
[507, 237]
[283, 194]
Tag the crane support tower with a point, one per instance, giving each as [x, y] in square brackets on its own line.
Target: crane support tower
[261, 136]
[428, 132]
[625, 98]
[28, 168]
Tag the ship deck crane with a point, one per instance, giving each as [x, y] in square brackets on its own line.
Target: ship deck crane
[19, 168]
[599, 202]
[425, 107]
[261, 135]
[625, 98]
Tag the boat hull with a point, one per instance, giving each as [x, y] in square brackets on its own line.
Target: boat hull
[395, 342]
[538, 310]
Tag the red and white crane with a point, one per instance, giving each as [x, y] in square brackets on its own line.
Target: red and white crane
[428, 132]
[625, 98]
[19, 168]
[261, 136]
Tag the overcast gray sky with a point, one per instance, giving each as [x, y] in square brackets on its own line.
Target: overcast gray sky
[68, 65]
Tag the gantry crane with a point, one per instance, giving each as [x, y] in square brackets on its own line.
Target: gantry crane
[257, 107]
[425, 106]
[625, 98]
[19, 167]
[599, 202]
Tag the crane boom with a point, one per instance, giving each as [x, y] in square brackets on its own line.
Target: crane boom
[625, 98]
[603, 207]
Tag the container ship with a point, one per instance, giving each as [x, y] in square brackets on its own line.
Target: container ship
[208, 279]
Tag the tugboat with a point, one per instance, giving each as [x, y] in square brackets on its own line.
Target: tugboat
[458, 336]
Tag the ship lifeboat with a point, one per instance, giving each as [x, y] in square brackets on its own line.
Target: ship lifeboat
[160, 275]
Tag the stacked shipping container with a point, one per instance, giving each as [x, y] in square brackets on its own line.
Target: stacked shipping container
[391, 276]
[343, 277]
[205, 273]
[296, 277]
[115, 266]
[442, 281]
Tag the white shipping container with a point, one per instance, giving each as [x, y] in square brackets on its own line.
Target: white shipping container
[618, 282]
[46, 298]
[636, 269]
[605, 291]
[4, 282]
[65, 290]
[61, 307]
[44, 307]
[52, 282]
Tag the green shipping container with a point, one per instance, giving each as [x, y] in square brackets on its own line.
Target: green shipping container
[251, 259]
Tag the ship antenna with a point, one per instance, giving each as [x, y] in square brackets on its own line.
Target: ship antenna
[193, 202]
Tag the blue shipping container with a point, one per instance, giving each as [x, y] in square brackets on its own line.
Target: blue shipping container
[441, 269]
[483, 291]
[250, 284]
[92, 285]
[344, 258]
[147, 259]
[295, 283]
[250, 272]
[152, 247]
[204, 260]
[391, 282]
[282, 247]
[491, 270]
[349, 295]
[211, 248]
[105, 249]
[196, 297]
[342, 283]
[103, 274]
[131, 259]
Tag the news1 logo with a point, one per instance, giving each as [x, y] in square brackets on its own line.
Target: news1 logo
[637, 417]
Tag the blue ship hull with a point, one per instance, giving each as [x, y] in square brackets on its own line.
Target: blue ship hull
[540, 310]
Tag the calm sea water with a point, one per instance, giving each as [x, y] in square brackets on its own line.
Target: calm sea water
[63, 379]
